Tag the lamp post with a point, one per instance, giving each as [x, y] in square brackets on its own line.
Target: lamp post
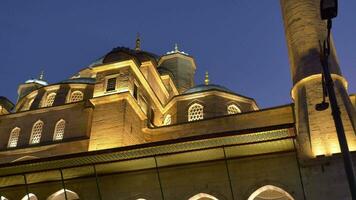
[328, 10]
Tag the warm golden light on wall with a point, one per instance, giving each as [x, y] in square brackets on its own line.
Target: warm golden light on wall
[331, 146]
[316, 77]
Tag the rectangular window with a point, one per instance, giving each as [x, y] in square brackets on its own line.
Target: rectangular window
[135, 92]
[142, 102]
[111, 84]
[152, 116]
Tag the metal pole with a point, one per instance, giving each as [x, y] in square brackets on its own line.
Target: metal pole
[97, 182]
[337, 119]
[63, 185]
[27, 190]
[228, 174]
[159, 178]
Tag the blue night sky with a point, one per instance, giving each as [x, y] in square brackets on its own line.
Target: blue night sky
[240, 42]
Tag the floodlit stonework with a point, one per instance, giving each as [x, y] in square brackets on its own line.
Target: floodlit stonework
[136, 126]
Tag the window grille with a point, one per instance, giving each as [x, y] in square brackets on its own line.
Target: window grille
[14, 137]
[167, 120]
[50, 99]
[195, 112]
[36, 132]
[233, 109]
[111, 84]
[76, 96]
[59, 130]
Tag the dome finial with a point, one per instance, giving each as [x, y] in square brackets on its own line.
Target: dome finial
[176, 50]
[206, 81]
[41, 77]
[176, 47]
[138, 42]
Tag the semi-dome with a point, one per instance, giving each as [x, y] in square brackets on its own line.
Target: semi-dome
[80, 80]
[202, 88]
[123, 53]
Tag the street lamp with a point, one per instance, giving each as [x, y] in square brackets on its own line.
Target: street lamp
[328, 10]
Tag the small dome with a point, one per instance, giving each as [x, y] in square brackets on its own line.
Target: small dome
[41, 82]
[6, 103]
[80, 80]
[202, 88]
[122, 53]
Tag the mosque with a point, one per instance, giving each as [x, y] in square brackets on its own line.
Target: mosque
[134, 125]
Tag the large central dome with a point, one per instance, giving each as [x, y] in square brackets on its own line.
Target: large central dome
[123, 53]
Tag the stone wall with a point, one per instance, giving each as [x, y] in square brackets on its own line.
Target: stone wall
[184, 181]
[214, 106]
[77, 117]
[115, 123]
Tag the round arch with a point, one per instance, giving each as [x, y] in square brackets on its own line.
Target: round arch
[59, 130]
[59, 195]
[23, 158]
[270, 192]
[202, 196]
[29, 196]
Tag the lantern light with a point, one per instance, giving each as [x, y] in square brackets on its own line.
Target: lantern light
[328, 9]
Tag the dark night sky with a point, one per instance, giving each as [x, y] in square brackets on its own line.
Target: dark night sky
[240, 42]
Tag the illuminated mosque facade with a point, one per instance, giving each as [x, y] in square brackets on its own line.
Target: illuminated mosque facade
[136, 126]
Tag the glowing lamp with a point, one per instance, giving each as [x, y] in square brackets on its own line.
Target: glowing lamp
[328, 9]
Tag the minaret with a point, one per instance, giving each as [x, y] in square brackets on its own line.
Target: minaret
[305, 32]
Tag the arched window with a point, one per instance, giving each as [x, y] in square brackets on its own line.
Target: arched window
[29, 197]
[49, 99]
[167, 120]
[14, 137]
[233, 109]
[59, 130]
[59, 195]
[3, 198]
[270, 192]
[195, 112]
[76, 96]
[36, 132]
[203, 196]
